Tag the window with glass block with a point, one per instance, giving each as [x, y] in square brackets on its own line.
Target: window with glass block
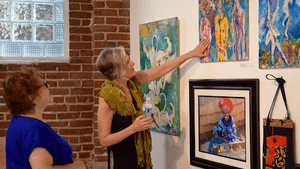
[32, 28]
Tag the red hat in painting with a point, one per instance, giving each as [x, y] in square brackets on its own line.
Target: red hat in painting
[225, 104]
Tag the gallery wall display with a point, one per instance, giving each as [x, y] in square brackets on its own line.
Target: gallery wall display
[226, 24]
[159, 44]
[224, 123]
[279, 33]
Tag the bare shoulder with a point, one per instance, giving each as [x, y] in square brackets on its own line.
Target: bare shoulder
[142, 76]
[104, 108]
[139, 75]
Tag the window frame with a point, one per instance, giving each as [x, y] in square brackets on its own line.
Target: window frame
[33, 60]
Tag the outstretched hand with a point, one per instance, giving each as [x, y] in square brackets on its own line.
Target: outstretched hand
[200, 48]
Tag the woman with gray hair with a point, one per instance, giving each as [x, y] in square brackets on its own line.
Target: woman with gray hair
[122, 127]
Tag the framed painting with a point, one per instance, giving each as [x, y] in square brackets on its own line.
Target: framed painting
[279, 34]
[224, 123]
[226, 24]
[158, 44]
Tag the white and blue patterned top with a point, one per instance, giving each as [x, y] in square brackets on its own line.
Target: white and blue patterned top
[227, 130]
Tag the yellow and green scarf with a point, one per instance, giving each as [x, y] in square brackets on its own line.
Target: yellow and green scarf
[116, 98]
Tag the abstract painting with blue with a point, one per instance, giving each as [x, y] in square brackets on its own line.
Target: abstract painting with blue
[158, 44]
[226, 24]
[279, 33]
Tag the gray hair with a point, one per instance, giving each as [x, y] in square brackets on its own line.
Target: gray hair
[111, 63]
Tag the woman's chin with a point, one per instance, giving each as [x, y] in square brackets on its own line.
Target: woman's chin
[133, 74]
[129, 77]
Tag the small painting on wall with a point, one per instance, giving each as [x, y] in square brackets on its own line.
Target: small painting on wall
[226, 24]
[159, 44]
[279, 33]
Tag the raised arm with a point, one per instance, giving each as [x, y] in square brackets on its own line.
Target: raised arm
[149, 75]
[105, 116]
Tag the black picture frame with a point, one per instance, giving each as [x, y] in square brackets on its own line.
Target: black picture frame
[249, 88]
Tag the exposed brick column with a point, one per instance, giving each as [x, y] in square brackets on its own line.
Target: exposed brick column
[111, 28]
[81, 84]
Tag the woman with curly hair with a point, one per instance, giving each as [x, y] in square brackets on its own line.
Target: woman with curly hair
[30, 142]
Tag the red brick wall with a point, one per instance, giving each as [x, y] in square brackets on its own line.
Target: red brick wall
[94, 26]
[110, 28]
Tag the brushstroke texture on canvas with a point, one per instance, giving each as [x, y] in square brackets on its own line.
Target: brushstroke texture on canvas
[225, 23]
[279, 33]
[159, 44]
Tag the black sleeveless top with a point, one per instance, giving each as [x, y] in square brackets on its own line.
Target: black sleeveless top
[123, 153]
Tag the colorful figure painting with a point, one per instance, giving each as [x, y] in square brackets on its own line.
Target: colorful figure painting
[158, 44]
[226, 24]
[279, 33]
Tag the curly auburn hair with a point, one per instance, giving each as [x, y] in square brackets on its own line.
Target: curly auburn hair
[20, 89]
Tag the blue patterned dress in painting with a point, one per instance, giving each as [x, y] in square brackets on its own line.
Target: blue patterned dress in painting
[227, 130]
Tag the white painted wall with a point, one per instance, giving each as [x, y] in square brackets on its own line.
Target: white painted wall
[171, 152]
